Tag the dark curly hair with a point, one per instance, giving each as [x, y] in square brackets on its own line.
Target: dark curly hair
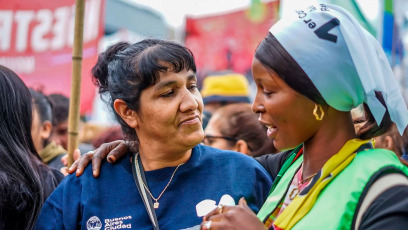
[124, 70]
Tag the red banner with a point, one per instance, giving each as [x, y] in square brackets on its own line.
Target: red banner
[228, 41]
[36, 39]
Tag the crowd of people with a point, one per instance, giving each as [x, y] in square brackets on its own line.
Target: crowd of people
[299, 157]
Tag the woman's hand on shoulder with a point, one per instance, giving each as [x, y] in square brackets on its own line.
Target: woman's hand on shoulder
[64, 161]
[112, 151]
[232, 217]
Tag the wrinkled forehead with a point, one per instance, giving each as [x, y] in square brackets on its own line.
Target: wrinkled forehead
[171, 78]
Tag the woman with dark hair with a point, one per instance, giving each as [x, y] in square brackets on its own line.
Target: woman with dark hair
[312, 68]
[25, 182]
[235, 127]
[391, 140]
[172, 181]
[49, 151]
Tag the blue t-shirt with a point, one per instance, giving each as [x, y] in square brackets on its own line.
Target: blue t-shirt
[112, 200]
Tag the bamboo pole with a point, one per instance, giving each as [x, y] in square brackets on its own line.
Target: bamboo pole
[73, 119]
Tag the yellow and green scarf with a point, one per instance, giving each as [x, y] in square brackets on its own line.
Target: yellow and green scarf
[302, 204]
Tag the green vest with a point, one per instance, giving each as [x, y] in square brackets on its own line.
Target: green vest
[336, 204]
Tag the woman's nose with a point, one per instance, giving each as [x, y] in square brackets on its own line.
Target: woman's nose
[189, 102]
[257, 106]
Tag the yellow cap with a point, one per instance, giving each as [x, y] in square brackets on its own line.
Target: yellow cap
[229, 88]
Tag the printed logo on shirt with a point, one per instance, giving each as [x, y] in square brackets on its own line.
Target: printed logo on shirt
[94, 223]
[118, 223]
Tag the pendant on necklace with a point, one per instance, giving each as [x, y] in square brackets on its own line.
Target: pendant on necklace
[294, 193]
[156, 205]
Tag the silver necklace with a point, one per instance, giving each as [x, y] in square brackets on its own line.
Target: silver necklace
[156, 203]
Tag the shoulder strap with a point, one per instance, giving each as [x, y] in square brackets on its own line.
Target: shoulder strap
[139, 177]
[377, 188]
[286, 164]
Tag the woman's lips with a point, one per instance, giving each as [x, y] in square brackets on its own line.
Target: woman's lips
[192, 121]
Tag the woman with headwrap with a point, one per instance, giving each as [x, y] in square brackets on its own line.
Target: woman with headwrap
[312, 68]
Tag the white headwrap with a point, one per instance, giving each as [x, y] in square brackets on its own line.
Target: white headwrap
[344, 62]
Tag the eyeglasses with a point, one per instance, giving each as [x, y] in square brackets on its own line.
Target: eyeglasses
[209, 139]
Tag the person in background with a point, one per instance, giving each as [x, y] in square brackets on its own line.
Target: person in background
[222, 89]
[25, 181]
[50, 152]
[60, 123]
[235, 127]
[51, 112]
[391, 140]
[159, 109]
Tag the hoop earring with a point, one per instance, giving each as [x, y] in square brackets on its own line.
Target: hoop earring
[319, 118]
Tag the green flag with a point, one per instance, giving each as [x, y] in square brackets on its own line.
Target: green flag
[353, 7]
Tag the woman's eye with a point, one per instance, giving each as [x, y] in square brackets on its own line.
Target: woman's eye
[267, 93]
[208, 141]
[168, 94]
[192, 87]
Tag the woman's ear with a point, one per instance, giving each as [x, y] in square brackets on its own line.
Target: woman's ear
[127, 114]
[46, 128]
[389, 143]
[242, 147]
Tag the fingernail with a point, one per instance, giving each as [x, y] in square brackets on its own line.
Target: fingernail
[111, 159]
